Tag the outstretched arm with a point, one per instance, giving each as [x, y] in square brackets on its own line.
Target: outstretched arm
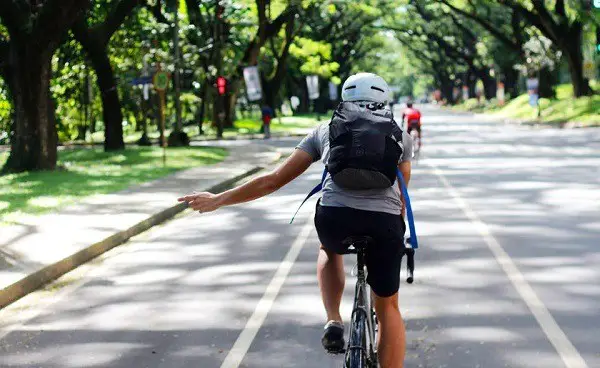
[258, 187]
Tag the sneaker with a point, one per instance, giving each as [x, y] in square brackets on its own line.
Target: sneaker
[333, 337]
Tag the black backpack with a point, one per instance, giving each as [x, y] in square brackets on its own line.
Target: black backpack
[365, 146]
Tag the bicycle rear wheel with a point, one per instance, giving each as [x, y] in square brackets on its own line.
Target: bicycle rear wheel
[373, 331]
[356, 356]
[416, 143]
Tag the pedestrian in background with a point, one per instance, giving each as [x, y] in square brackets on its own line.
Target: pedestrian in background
[267, 116]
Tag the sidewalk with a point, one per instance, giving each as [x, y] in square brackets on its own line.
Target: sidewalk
[45, 247]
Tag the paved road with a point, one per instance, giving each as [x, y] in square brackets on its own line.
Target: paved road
[508, 274]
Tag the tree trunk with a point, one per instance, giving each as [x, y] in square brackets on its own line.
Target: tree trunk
[489, 85]
[231, 111]
[447, 89]
[96, 50]
[547, 83]
[201, 111]
[572, 49]
[35, 139]
[111, 105]
[227, 121]
[269, 94]
[472, 84]
[218, 114]
[510, 77]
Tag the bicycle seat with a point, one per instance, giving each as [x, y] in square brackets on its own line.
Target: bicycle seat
[357, 242]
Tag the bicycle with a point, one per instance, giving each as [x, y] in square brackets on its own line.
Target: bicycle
[362, 343]
[361, 351]
[414, 134]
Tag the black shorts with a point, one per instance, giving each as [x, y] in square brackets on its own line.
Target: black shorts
[383, 258]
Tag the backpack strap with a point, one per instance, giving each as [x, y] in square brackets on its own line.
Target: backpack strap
[314, 191]
[409, 213]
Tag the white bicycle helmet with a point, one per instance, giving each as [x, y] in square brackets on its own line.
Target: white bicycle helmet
[366, 87]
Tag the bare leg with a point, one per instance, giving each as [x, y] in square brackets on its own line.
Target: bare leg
[391, 344]
[331, 276]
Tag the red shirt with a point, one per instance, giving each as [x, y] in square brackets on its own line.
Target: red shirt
[412, 114]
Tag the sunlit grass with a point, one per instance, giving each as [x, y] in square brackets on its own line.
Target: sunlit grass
[84, 172]
[288, 124]
[564, 109]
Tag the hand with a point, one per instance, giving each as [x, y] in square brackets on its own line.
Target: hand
[201, 202]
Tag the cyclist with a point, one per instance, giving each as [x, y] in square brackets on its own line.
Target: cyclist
[413, 120]
[342, 213]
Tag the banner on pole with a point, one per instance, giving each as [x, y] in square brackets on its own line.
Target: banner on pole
[312, 82]
[333, 91]
[253, 87]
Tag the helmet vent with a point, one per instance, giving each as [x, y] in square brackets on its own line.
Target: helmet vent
[376, 88]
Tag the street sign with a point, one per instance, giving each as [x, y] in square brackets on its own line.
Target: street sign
[252, 79]
[312, 82]
[145, 79]
[161, 80]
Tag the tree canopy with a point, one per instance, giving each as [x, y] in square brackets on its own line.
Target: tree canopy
[72, 68]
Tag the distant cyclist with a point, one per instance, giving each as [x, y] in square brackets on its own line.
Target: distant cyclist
[342, 212]
[413, 120]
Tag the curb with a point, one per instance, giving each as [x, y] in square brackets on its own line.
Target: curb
[53, 271]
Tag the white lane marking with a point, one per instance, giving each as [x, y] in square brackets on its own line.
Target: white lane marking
[568, 353]
[244, 340]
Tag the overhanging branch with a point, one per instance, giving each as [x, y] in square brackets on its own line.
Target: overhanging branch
[55, 18]
[14, 15]
[496, 32]
[116, 17]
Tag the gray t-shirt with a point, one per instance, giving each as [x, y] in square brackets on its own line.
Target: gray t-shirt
[316, 144]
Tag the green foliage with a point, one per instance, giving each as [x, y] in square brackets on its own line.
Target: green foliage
[564, 109]
[316, 57]
[5, 114]
[91, 171]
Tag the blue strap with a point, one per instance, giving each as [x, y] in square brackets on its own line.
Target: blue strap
[314, 191]
[411, 220]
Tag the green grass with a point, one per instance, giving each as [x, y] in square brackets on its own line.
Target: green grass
[243, 126]
[289, 124]
[563, 109]
[85, 172]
